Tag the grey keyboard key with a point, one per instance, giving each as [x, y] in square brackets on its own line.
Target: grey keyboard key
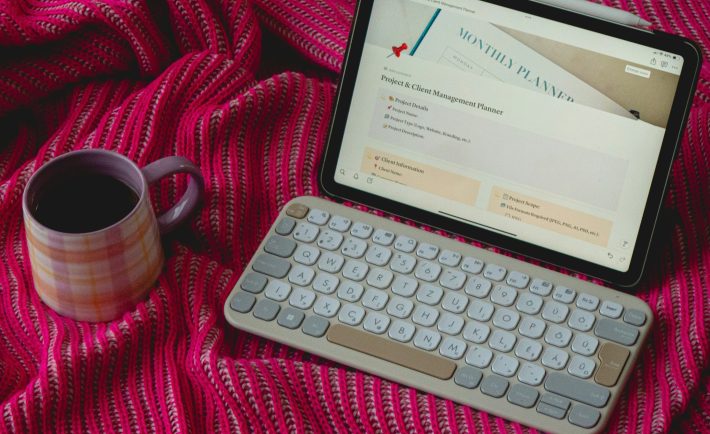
[242, 302]
[266, 310]
[584, 416]
[578, 390]
[290, 318]
[522, 395]
[280, 246]
[616, 331]
[494, 386]
[285, 226]
[468, 377]
[253, 283]
[315, 326]
[271, 265]
[556, 401]
[550, 410]
[635, 317]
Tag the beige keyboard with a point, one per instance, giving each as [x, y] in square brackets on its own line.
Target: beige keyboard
[482, 329]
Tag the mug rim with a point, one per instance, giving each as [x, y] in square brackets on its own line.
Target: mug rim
[111, 154]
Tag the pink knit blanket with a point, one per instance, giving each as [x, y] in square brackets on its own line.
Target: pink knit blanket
[245, 89]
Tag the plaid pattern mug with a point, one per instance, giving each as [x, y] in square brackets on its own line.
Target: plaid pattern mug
[97, 276]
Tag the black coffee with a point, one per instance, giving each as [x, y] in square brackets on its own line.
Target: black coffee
[83, 203]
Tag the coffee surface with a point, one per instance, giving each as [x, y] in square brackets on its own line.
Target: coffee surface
[79, 203]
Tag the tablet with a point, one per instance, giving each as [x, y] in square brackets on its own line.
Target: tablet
[534, 129]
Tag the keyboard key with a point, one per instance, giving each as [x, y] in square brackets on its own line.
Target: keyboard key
[280, 246]
[326, 283]
[480, 310]
[472, 265]
[361, 230]
[427, 251]
[494, 272]
[378, 255]
[468, 377]
[242, 302]
[402, 263]
[578, 390]
[354, 248]
[505, 365]
[318, 217]
[450, 324]
[375, 299]
[581, 367]
[277, 290]
[266, 310]
[401, 331]
[502, 341]
[285, 226]
[450, 258]
[253, 282]
[306, 255]
[430, 294]
[558, 336]
[616, 331]
[427, 340]
[340, 224]
[404, 286]
[452, 279]
[503, 295]
[612, 359]
[635, 317]
[611, 309]
[383, 348]
[529, 303]
[528, 349]
[428, 271]
[581, 320]
[301, 276]
[523, 396]
[583, 416]
[331, 262]
[326, 307]
[302, 298]
[350, 291]
[400, 307]
[555, 312]
[383, 237]
[476, 332]
[405, 244]
[376, 323]
[564, 294]
[494, 386]
[541, 287]
[518, 280]
[380, 278]
[453, 348]
[587, 302]
[479, 357]
[556, 401]
[425, 316]
[454, 302]
[478, 287]
[550, 410]
[554, 358]
[351, 314]
[584, 344]
[532, 327]
[290, 318]
[315, 326]
[355, 270]
[531, 374]
[297, 210]
[271, 265]
[306, 232]
[506, 319]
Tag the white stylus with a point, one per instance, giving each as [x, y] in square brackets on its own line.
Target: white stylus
[600, 11]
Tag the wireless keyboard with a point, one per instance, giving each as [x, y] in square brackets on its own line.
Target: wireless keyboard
[482, 329]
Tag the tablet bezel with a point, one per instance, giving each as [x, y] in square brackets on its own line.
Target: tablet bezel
[671, 141]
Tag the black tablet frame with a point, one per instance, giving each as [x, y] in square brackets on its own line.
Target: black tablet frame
[671, 141]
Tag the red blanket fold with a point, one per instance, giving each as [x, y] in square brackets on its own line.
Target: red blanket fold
[214, 81]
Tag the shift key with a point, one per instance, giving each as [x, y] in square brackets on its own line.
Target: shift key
[579, 390]
[271, 265]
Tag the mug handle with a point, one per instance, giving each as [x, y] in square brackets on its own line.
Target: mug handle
[176, 215]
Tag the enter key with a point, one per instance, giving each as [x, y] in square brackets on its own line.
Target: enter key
[612, 359]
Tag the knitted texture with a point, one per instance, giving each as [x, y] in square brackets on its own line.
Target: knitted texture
[245, 89]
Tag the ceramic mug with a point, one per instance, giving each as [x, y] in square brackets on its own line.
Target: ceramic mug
[97, 276]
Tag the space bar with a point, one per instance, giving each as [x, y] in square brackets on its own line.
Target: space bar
[391, 351]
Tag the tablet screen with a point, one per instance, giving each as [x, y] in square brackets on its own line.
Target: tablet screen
[514, 123]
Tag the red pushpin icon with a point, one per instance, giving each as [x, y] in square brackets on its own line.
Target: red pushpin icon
[398, 50]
